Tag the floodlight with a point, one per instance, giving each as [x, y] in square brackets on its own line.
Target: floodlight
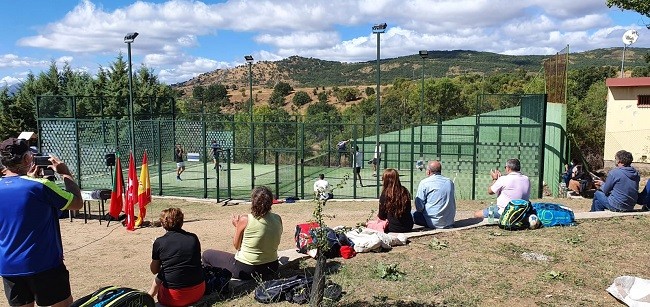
[130, 37]
[379, 28]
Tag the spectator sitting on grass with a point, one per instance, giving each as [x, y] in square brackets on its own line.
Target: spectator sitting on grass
[513, 185]
[619, 192]
[257, 237]
[176, 261]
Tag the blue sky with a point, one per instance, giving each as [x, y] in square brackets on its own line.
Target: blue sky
[181, 39]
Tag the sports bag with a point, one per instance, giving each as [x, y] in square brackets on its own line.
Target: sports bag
[334, 241]
[216, 280]
[554, 215]
[112, 296]
[303, 236]
[276, 290]
[515, 215]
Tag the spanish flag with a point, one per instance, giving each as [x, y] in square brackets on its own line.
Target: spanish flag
[131, 195]
[144, 190]
[117, 200]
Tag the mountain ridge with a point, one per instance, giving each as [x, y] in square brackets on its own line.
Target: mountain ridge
[303, 72]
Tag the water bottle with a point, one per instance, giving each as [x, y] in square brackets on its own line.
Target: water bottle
[491, 213]
[563, 189]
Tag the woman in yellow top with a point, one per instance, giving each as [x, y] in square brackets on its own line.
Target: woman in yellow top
[257, 236]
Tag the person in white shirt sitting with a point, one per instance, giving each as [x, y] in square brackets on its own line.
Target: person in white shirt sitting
[322, 188]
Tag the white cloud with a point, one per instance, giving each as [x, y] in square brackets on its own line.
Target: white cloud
[172, 32]
[15, 61]
[9, 81]
[300, 39]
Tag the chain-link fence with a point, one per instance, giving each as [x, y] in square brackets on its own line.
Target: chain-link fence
[288, 154]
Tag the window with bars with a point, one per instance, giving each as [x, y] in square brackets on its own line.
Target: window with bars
[643, 101]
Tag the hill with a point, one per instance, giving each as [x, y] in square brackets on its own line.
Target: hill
[303, 72]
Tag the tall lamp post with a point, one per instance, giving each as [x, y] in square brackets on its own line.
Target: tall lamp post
[128, 39]
[249, 60]
[424, 54]
[378, 29]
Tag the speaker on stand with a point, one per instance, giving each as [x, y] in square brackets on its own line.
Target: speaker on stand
[109, 159]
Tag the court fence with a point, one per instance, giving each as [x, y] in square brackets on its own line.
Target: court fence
[288, 154]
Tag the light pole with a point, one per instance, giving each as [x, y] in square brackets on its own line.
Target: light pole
[378, 29]
[128, 39]
[424, 54]
[249, 60]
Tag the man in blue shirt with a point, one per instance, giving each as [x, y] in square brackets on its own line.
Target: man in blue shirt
[620, 190]
[435, 203]
[31, 250]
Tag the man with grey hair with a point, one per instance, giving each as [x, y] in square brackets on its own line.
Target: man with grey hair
[435, 203]
[619, 192]
[513, 185]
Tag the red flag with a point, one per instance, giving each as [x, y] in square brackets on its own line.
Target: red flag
[144, 190]
[131, 194]
[117, 201]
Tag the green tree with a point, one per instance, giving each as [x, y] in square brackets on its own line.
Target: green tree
[586, 122]
[198, 92]
[643, 71]
[640, 6]
[283, 88]
[301, 98]
[323, 97]
[276, 99]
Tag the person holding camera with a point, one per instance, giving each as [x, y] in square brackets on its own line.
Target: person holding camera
[31, 250]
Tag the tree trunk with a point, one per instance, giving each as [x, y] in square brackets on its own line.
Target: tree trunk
[318, 285]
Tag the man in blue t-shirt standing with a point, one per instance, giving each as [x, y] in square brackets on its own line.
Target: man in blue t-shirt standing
[31, 250]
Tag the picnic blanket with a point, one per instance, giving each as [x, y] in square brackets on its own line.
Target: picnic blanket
[633, 291]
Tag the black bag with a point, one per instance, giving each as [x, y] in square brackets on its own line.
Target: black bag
[334, 241]
[216, 280]
[115, 297]
[276, 290]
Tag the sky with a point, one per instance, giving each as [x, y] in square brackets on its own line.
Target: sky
[180, 39]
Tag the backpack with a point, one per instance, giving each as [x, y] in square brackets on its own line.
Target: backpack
[295, 289]
[216, 280]
[515, 215]
[334, 241]
[303, 237]
[276, 290]
[112, 296]
[554, 215]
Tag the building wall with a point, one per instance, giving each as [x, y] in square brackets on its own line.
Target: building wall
[627, 126]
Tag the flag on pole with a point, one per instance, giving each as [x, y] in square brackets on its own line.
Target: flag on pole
[131, 194]
[117, 201]
[144, 190]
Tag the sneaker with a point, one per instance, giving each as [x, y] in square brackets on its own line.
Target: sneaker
[178, 178]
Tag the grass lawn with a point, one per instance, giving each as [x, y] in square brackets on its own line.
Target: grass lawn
[475, 267]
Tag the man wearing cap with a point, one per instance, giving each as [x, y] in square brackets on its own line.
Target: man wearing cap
[31, 250]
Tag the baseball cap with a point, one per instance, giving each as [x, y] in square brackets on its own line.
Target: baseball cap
[14, 146]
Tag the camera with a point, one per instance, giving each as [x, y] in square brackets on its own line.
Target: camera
[42, 160]
[47, 173]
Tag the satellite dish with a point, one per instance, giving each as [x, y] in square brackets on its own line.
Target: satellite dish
[630, 36]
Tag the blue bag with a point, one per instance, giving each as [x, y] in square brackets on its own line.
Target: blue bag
[554, 215]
